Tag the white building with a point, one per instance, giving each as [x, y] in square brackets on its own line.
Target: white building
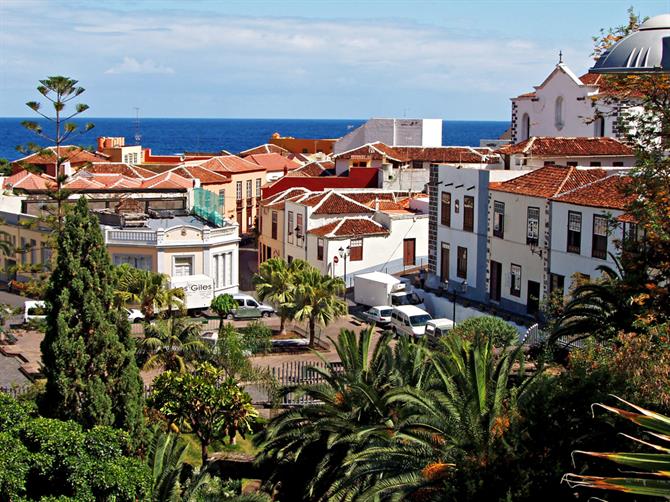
[179, 246]
[585, 224]
[458, 228]
[519, 236]
[377, 230]
[393, 132]
[565, 105]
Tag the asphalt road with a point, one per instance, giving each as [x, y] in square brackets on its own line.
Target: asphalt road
[12, 299]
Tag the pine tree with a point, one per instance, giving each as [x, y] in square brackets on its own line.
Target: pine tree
[87, 352]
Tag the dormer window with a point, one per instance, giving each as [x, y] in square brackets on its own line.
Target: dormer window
[559, 113]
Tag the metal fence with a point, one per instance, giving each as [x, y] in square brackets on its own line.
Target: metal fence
[298, 373]
[534, 336]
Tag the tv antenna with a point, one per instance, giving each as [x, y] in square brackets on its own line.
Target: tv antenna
[138, 135]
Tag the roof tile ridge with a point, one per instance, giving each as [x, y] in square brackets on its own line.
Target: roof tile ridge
[571, 170]
[589, 184]
[339, 224]
[352, 200]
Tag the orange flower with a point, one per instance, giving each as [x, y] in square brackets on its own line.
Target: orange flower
[436, 471]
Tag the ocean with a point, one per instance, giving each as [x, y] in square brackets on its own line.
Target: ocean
[172, 135]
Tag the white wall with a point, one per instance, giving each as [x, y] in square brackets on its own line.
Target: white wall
[567, 264]
[512, 247]
[393, 132]
[536, 162]
[578, 109]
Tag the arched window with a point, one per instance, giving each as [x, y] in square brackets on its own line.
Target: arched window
[599, 127]
[559, 113]
[525, 127]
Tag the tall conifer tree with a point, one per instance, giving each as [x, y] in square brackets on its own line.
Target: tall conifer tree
[87, 351]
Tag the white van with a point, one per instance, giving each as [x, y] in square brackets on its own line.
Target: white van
[408, 320]
[33, 310]
[436, 329]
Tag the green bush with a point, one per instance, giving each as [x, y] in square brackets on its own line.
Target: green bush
[256, 337]
[48, 459]
[501, 333]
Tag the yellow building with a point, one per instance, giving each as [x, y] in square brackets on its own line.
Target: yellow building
[271, 233]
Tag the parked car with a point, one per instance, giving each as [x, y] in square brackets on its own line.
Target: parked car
[249, 308]
[33, 310]
[436, 329]
[408, 320]
[380, 315]
[134, 315]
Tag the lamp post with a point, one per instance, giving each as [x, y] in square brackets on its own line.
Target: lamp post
[344, 253]
[462, 288]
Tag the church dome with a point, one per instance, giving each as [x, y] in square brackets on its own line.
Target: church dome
[643, 51]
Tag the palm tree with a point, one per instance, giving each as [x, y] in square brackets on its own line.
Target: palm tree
[275, 283]
[346, 414]
[150, 290]
[170, 343]
[460, 416]
[652, 470]
[316, 298]
[601, 308]
[166, 460]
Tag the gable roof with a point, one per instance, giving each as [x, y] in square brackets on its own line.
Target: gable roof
[549, 181]
[350, 227]
[273, 162]
[332, 202]
[279, 199]
[228, 164]
[167, 180]
[546, 146]
[74, 154]
[205, 176]
[117, 168]
[607, 193]
[314, 168]
[376, 151]
[266, 148]
[25, 180]
[563, 68]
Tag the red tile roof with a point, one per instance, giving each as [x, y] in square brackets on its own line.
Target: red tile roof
[25, 180]
[568, 147]
[266, 148]
[375, 151]
[526, 95]
[117, 168]
[336, 203]
[205, 176]
[273, 162]
[607, 193]
[278, 199]
[315, 168]
[167, 181]
[228, 164]
[74, 154]
[442, 154]
[591, 78]
[350, 227]
[549, 181]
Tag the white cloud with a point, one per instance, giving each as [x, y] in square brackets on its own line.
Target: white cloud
[147, 67]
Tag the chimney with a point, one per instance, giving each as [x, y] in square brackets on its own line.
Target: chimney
[285, 169]
[101, 143]
[376, 204]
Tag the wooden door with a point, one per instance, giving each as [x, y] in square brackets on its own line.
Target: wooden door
[533, 301]
[409, 252]
[496, 282]
[444, 262]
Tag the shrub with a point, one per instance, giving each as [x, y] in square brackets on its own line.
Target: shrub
[256, 337]
[501, 333]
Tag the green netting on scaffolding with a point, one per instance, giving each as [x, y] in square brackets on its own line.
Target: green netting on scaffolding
[208, 206]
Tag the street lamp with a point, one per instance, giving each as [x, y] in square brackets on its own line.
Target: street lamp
[344, 253]
[462, 288]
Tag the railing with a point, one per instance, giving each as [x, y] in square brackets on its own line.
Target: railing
[298, 373]
[534, 336]
[136, 236]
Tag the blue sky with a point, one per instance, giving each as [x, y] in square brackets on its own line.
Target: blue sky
[450, 59]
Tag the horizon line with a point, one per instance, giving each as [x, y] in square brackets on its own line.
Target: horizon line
[257, 118]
